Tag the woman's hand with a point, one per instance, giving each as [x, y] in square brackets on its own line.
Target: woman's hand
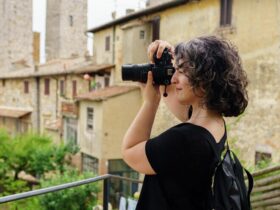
[158, 47]
[151, 93]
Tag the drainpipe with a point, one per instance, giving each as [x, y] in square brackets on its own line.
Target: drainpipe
[56, 103]
[38, 103]
[56, 95]
[114, 47]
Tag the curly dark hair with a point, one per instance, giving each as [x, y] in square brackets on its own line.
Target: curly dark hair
[213, 64]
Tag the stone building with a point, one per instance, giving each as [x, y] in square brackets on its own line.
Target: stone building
[45, 93]
[36, 90]
[16, 34]
[104, 117]
[251, 25]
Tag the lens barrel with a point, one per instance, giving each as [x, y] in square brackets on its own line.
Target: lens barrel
[136, 72]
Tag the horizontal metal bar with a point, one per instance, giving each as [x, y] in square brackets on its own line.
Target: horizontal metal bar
[32, 193]
[125, 178]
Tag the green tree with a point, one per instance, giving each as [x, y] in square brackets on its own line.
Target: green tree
[33, 153]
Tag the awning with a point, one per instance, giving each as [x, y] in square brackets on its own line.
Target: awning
[13, 112]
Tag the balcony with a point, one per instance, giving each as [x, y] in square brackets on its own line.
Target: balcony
[106, 179]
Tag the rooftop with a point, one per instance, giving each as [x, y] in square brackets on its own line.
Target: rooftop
[140, 13]
[103, 94]
[58, 67]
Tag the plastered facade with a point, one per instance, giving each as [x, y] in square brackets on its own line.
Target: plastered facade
[112, 118]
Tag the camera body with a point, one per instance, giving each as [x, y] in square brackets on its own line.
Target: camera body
[162, 70]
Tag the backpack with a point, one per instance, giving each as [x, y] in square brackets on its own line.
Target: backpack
[228, 190]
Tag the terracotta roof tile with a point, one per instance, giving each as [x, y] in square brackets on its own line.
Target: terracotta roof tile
[102, 94]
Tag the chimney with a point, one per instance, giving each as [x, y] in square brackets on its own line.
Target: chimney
[36, 48]
[114, 14]
[129, 11]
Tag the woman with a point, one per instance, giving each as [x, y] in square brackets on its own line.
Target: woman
[179, 162]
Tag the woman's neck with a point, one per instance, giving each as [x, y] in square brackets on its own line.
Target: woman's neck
[201, 114]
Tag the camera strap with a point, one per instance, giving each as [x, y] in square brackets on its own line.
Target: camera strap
[165, 92]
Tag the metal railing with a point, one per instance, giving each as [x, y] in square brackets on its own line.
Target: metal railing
[106, 187]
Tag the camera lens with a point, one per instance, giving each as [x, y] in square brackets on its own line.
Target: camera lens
[136, 72]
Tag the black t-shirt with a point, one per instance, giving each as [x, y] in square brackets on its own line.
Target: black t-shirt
[184, 162]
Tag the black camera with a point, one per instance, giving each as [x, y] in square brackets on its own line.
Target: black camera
[162, 70]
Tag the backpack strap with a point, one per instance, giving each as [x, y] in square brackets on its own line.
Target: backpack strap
[251, 184]
[249, 176]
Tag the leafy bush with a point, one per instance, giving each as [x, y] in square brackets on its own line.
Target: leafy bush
[78, 198]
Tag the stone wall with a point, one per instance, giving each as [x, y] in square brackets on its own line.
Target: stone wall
[16, 34]
[65, 28]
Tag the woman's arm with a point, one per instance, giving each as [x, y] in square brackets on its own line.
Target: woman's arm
[133, 146]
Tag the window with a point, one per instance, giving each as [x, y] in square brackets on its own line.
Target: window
[120, 168]
[70, 128]
[107, 43]
[107, 81]
[142, 34]
[71, 20]
[26, 87]
[62, 88]
[47, 86]
[4, 120]
[226, 12]
[90, 115]
[89, 163]
[74, 88]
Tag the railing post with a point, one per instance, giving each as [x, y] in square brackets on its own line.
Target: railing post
[106, 188]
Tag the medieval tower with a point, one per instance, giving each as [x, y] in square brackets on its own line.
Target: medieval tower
[16, 34]
[65, 28]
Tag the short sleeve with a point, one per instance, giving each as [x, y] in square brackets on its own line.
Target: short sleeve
[167, 151]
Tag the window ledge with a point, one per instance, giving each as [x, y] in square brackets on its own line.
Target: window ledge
[226, 30]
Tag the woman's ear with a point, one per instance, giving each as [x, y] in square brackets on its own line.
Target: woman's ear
[199, 91]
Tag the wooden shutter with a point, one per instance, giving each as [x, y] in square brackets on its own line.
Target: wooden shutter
[156, 29]
[26, 87]
[47, 86]
[226, 12]
[74, 88]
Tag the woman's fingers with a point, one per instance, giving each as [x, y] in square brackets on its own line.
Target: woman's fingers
[158, 47]
[150, 78]
[152, 49]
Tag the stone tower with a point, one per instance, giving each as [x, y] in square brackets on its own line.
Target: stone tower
[65, 28]
[16, 35]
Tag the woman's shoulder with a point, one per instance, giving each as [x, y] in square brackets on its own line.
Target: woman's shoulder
[190, 129]
[187, 133]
